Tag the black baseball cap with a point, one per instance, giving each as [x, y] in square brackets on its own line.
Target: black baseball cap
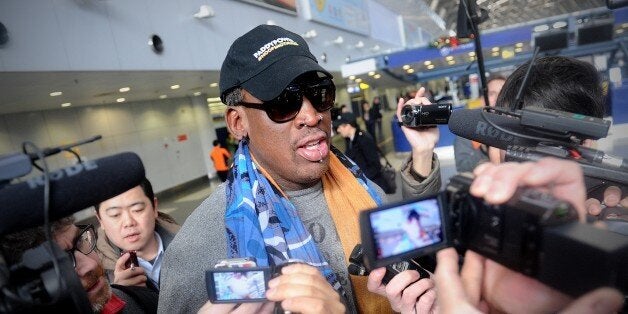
[265, 60]
[345, 118]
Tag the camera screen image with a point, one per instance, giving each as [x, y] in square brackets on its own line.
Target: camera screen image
[235, 286]
[406, 227]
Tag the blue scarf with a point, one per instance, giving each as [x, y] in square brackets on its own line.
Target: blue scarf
[261, 223]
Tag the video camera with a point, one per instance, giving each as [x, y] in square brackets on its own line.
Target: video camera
[533, 233]
[43, 277]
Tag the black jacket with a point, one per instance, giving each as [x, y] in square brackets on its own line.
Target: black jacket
[363, 151]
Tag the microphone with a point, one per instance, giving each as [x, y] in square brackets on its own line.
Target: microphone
[55, 150]
[470, 124]
[71, 189]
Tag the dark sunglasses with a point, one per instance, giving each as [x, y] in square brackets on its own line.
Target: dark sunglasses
[85, 242]
[287, 105]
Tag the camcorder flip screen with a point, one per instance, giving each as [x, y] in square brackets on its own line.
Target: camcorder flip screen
[237, 285]
[403, 230]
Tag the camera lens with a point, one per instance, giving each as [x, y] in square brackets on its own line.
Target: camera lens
[407, 114]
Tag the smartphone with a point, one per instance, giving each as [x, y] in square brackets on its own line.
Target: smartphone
[237, 285]
[132, 260]
[402, 231]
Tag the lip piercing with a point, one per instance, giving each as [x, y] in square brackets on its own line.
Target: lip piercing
[321, 161]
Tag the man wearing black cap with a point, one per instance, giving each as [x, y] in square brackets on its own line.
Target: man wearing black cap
[361, 148]
[291, 195]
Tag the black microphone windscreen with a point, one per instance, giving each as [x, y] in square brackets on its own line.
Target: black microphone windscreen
[71, 189]
[470, 124]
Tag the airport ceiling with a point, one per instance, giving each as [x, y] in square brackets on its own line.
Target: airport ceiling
[30, 91]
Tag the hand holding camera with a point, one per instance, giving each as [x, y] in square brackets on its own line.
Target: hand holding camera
[293, 287]
[489, 284]
[127, 271]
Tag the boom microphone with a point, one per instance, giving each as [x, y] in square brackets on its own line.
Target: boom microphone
[71, 189]
[470, 124]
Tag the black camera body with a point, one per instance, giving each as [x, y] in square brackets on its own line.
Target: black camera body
[533, 233]
[415, 116]
[357, 266]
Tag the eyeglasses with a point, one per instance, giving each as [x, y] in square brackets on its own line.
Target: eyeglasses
[287, 105]
[85, 242]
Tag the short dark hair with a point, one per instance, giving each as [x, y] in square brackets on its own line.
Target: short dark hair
[413, 215]
[216, 142]
[147, 188]
[13, 245]
[556, 82]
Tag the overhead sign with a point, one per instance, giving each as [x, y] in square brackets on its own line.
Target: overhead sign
[350, 15]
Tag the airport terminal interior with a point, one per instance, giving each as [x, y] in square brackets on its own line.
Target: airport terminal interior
[82, 81]
[144, 75]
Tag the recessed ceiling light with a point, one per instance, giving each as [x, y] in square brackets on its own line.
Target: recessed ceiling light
[541, 28]
[449, 58]
[163, 96]
[519, 45]
[66, 104]
[124, 89]
[197, 94]
[120, 99]
[495, 49]
[619, 30]
[451, 62]
[376, 76]
[428, 62]
[371, 73]
[405, 67]
[213, 85]
[472, 54]
[495, 54]
[431, 66]
[175, 86]
[352, 77]
[53, 94]
[559, 24]
[358, 80]
[410, 71]
[518, 50]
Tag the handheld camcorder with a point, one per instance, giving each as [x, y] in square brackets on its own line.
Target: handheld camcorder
[357, 266]
[415, 116]
[533, 233]
[240, 280]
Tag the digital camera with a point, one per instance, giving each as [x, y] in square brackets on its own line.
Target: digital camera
[533, 233]
[415, 116]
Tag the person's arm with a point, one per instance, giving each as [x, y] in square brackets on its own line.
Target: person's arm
[484, 284]
[415, 186]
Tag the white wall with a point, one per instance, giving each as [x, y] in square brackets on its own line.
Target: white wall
[149, 129]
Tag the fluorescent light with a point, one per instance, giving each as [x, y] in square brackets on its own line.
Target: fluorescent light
[559, 24]
[163, 96]
[53, 94]
[213, 85]
[176, 86]
[197, 93]
[66, 104]
[541, 28]
[120, 99]
[124, 89]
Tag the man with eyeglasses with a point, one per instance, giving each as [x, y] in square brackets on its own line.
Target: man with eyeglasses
[290, 194]
[79, 241]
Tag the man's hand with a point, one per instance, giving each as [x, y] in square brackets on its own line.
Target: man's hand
[406, 292]
[422, 140]
[133, 276]
[612, 198]
[302, 289]
[237, 308]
